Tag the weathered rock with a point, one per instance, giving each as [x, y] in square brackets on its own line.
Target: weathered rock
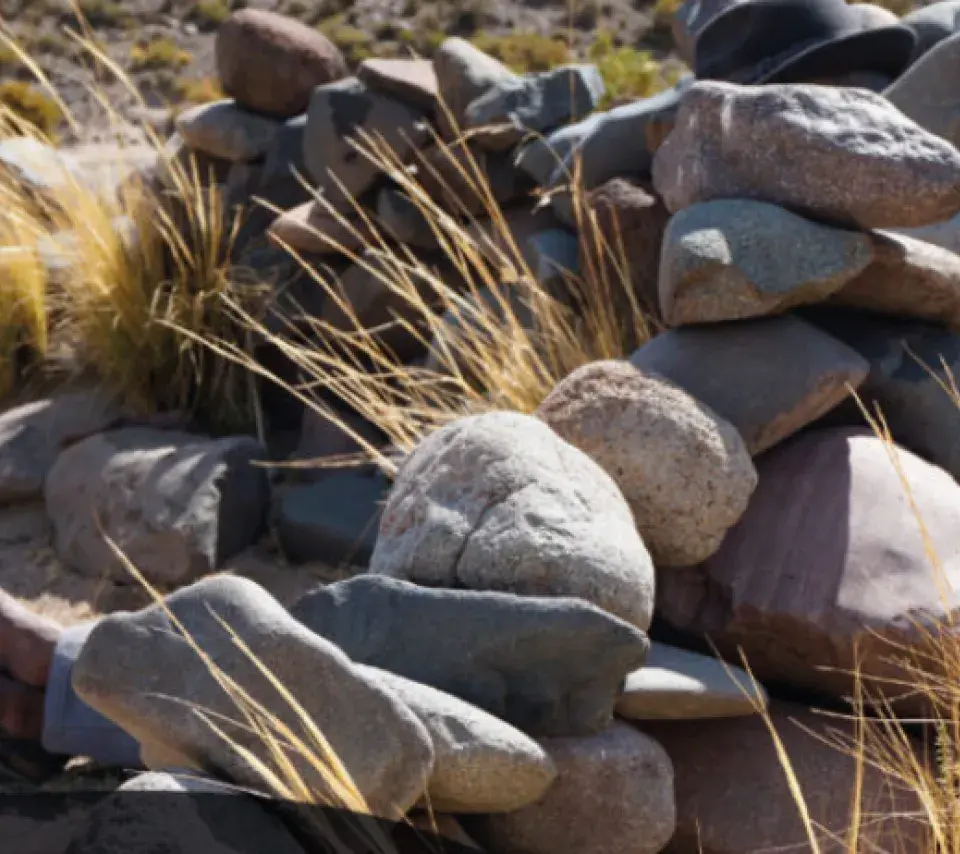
[534, 104]
[912, 368]
[459, 176]
[464, 73]
[33, 435]
[333, 520]
[541, 157]
[675, 684]
[684, 471]
[933, 24]
[732, 259]
[908, 278]
[505, 239]
[225, 130]
[788, 373]
[614, 792]
[412, 81]
[341, 432]
[786, 145]
[311, 227]
[557, 254]
[179, 164]
[283, 160]
[691, 19]
[380, 742]
[617, 145]
[627, 240]
[178, 505]
[552, 667]
[500, 502]
[482, 765]
[873, 16]
[38, 167]
[828, 570]
[404, 220]
[732, 792]
[337, 116]
[923, 92]
[271, 63]
[180, 814]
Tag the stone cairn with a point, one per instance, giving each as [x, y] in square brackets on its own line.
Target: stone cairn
[492, 659]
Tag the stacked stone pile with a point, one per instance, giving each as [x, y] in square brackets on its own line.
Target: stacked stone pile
[718, 487]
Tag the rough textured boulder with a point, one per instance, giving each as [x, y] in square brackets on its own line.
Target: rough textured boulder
[828, 564]
[554, 666]
[465, 73]
[732, 793]
[614, 792]
[787, 373]
[180, 814]
[33, 435]
[225, 130]
[533, 104]
[482, 765]
[178, 505]
[381, 743]
[338, 116]
[630, 224]
[923, 92]
[908, 278]
[500, 502]
[675, 684]
[271, 63]
[684, 471]
[786, 144]
[734, 258]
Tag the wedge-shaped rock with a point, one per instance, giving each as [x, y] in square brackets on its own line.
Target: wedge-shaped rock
[381, 743]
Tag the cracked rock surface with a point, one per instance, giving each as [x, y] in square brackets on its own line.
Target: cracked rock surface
[500, 502]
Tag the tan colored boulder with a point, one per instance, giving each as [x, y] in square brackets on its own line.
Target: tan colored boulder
[684, 471]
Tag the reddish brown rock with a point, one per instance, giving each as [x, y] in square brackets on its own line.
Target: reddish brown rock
[311, 228]
[271, 63]
[827, 563]
[732, 793]
[908, 278]
[410, 80]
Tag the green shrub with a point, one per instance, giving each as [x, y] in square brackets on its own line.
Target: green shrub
[356, 44]
[160, 53]
[210, 14]
[32, 104]
[524, 52]
[626, 71]
[199, 91]
[103, 13]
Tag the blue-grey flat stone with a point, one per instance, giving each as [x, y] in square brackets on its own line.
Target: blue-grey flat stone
[557, 254]
[675, 684]
[549, 666]
[334, 520]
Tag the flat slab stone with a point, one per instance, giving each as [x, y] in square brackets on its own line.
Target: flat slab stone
[553, 667]
[413, 81]
[675, 684]
[787, 373]
[225, 130]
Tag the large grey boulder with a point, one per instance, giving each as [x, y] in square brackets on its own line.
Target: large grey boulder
[733, 259]
[685, 472]
[382, 745]
[500, 502]
[226, 130]
[787, 145]
[551, 667]
[465, 73]
[177, 504]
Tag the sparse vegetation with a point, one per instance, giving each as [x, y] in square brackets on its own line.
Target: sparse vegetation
[355, 43]
[525, 51]
[628, 72]
[160, 53]
[199, 90]
[31, 104]
[210, 14]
